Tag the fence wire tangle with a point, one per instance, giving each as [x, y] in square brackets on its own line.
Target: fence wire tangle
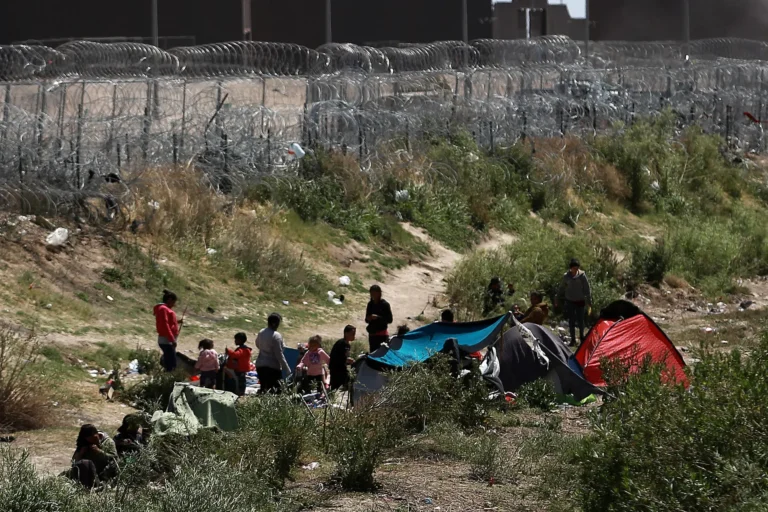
[80, 114]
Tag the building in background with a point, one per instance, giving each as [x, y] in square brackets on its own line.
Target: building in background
[522, 19]
[662, 20]
[205, 21]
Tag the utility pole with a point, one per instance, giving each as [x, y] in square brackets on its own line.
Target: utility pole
[247, 23]
[155, 29]
[328, 26]
[587, 21]
[687, 27]
[464, 22]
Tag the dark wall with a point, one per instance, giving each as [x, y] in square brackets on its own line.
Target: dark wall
[208, 21]
[366, 22]
[649, 20]
[295, 21]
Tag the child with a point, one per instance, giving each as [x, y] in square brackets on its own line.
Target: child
[167, 329]
[313, 362]
[207, 364]
[238, 363]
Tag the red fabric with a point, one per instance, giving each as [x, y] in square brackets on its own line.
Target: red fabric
[476, 355]
[239, 359]
[630, 340]
[166, 323]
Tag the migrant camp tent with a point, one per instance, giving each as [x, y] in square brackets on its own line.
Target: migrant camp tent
[421, 344]
[192, 408]
[522, 361]
[625, 333]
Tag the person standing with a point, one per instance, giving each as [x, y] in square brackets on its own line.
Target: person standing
[271, 361]
[576, 296]
[341, 358]
[207, 364]
[378, 316]
[238, 365]
[167, 329]
[495, 295]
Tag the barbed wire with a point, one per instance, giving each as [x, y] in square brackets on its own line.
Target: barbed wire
[85, 114]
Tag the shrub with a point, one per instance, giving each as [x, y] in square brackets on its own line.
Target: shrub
[539, 394]
[360, 438]
[153, 394]
[287, 427]
[428, 393]
[535, 262]
[22, 401]
[149, 361]
[487, 458]
[661, 447]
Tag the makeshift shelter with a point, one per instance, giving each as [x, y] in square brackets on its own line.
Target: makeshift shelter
[191, 408]
[421, 344]
[625, 333]
[522, 361]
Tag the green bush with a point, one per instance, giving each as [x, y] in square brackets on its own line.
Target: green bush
[535, 262]
[663, 448]
[539, 394]
[487, 458]
[149, 361]
[360, 439]
[153, 394]
[285, 427]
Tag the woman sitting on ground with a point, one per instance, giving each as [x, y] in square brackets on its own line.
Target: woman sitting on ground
[95, 457]
[133, 434]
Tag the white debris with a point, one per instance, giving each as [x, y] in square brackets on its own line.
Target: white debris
[285, 303]
[210, 251]
[708, 330]
[724, 342]
[337, 302]
[297, 151]
[345, 281]
[58, 237]
[110, 298]
[473, 157]
[93, 373]
[402, 195]
[655, 186]
[311, 466]
[305, 303]
[133, 366]
[331, 295]
[26, 218]
[154, 205]
[248, 321]
[48, 306]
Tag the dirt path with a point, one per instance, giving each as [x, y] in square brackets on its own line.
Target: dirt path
[415, 292]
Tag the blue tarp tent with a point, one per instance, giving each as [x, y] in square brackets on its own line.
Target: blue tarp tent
[424, 342]
[292, 358]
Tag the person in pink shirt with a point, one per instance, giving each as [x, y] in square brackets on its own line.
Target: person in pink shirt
[207, 364]
[313, 365]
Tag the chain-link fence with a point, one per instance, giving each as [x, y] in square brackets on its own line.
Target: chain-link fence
[83, 111]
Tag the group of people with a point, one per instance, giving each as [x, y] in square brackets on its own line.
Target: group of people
[97, 456]
[574, 294]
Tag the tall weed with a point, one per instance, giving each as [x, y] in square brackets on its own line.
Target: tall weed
[22, 399]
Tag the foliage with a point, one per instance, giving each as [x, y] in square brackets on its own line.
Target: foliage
[22, 402]
[153, 394]
[536, 262]
[539, 394]
[659, 447]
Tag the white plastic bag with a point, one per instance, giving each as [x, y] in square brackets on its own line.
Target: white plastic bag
[297, 151]
[58, 237]
[345, 281]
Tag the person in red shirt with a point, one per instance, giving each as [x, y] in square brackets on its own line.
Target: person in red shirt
[167, 329]
[238, 365]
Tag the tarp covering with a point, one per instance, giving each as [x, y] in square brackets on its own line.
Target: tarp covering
[631, 340]
[424, 342]
[292, 358]
[519, 363]
[192, 408]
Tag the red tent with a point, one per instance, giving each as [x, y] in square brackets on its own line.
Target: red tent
[626, 333]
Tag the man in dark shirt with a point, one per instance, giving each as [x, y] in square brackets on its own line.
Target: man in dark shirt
[378, 316]
[340, 358]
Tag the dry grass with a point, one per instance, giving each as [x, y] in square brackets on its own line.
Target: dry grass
[22, 400]
[570, 165]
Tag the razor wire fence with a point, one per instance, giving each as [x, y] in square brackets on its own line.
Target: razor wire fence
[73, 115]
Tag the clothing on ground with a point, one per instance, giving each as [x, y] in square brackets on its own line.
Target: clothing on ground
[166, 324]
[383, 311]
[576, 288]
[239, 360]
[338, 363]
[271, 346]
[207, 361]
[313, 361]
